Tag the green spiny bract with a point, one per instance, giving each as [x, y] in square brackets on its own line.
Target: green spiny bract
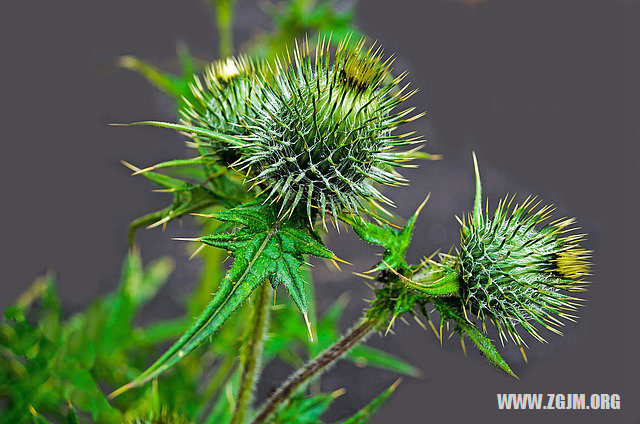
[516, 270]
[221, 103]
[400, 294]
[320, 130]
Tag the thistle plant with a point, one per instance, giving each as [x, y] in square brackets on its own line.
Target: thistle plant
[315, 133]
[517, 270]
[282, 143]
[338, 113]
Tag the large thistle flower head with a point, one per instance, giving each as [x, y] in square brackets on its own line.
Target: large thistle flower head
[220, 103]
[320, 131]
[518, 268]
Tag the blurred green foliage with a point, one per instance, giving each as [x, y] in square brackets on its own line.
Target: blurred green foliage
[51, 366]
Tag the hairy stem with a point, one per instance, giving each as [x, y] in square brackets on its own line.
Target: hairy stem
[251, 363]
[316, 366]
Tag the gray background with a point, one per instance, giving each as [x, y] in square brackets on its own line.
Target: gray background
[536, 88]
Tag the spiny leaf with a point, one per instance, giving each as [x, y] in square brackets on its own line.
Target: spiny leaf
[189, 129]
[264, 248]
[449, 311]
[200, 160]
[187, 198]
[364, 415]
[270, 247]
[394, 242]
[484, 345]
[233, 291]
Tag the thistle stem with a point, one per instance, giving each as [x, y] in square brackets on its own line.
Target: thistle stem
[251, 363]
[224, 21]
[316, 366]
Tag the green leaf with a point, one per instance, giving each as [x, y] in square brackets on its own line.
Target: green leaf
[82, 389]
[269, 247]
[216, 187]
[369, 356]
[187, 198]
[395, 242]
[484, 345]
[158, 332]
[175, 86]
[305, 410]
[465, 328]
[137, 286]
[266, 247]
[188, 129]
[172, 85]
[364, 415]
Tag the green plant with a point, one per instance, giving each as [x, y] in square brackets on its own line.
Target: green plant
[281, 143]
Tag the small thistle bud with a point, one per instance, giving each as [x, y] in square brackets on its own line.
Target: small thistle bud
[516, 270]
[221, 102]
[320, 130]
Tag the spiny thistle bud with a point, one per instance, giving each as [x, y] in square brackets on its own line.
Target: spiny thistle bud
[320, 129]
[221, 102]
[516, 270]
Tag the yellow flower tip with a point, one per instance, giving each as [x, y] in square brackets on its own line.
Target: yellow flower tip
[361, 70]
[225, 70]
[359, 73]
[573, 263]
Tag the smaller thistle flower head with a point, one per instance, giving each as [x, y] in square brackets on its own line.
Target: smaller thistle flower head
[320, 130]
[226, 70]
[221, 102]
[517, 269]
